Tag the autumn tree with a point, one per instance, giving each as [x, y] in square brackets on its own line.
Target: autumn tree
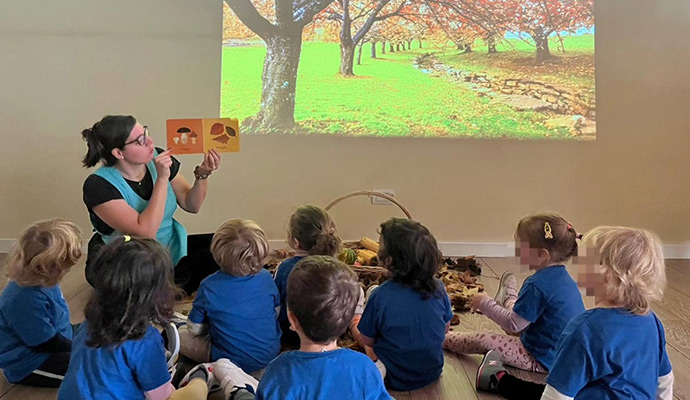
[359, 16]
[279, 23]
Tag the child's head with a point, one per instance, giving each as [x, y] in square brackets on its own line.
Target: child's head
[44, 253]
[311, 229]
[545, 239]
[628, 267]
[134, 287]
[239, 247]
[322, 294]
[410, 252]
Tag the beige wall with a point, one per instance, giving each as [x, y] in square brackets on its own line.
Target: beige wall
[65, 64]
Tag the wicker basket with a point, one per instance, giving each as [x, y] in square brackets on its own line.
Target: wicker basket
[368, 275]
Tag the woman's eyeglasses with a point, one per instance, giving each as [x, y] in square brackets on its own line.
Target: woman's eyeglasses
[142, 139]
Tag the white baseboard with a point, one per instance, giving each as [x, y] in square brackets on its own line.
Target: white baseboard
[456, 249]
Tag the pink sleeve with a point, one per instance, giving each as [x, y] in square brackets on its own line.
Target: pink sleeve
[506, 319]
[162, 392]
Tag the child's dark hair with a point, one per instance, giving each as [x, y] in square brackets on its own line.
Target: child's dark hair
[551, 232]
[314, 230]
[109, 133]
[134, 286]
[410, 252]
[322, 293]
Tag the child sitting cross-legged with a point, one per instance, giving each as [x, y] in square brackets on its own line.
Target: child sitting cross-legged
[236, 306]
[322, 296]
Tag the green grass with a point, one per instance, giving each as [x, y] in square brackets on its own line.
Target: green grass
[517, 58]
[388, 97]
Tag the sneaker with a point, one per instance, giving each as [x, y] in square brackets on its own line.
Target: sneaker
[202, 371]
[507, 287]
[232, 378]
[486, 374]
[171, 342]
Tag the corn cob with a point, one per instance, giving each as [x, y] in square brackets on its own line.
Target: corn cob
[368, 256]
[369, 244]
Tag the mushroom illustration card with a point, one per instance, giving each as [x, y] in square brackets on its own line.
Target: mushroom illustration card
[190, 136]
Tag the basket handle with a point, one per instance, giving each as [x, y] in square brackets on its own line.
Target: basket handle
[369, 193]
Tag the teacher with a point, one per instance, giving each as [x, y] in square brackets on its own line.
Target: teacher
[137, 190]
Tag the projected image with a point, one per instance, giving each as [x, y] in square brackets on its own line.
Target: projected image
[520, 69]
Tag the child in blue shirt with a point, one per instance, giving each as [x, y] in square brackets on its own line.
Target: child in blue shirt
[236, 305]
[616, 350]
[547, 301]
[311, 231]
[117, 353]
[322, 297]
[405, 319]
[34, 319]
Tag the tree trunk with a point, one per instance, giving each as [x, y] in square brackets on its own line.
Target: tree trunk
[409, 44]
[391, 48]
[420, 43]
[383, 47]
[543, 52]
[359, 54]
[347, 58]
[373, 49]
[397, 47]
[279, 81]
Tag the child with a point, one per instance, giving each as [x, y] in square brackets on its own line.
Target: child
[237, 304]
[117, 353]
[34, 318]
[616, 350]
[547, 301]
[406, 318]
[322, 296]
[311, 231]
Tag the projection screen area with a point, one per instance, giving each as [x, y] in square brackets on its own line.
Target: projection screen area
[515, 69]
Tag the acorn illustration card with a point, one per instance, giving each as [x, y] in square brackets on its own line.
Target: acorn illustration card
[199, 135]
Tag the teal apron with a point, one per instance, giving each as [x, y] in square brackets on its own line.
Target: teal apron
[171, 233]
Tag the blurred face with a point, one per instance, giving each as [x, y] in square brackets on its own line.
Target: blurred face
[532, 257]
[590, 274]
[138, 147]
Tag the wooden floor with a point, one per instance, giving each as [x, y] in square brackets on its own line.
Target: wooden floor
[457, 380]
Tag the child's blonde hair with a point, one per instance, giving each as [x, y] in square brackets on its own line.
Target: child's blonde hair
[239, 247]
[633, 265]
[44, 252]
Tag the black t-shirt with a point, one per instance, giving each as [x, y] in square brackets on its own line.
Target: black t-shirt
[97, 190]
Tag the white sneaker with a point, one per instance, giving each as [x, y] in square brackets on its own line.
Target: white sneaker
[507, 287]
[232, 378]
[171, 338]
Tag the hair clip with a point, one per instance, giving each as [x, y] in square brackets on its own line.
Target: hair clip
[127, 238]
[569, 227]
[547, 231]
[579, 236]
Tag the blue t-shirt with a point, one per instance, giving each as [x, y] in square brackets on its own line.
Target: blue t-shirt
[29, 316]
[281, 279]
[408, 331]
[336, 374]
[241, 313]
[548, 299]
[120, 373]
[610, 354]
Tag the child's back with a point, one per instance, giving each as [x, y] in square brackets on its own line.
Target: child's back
[240, 312]
[336, 374]
[408, 331]
[121, 372]
[29, 316]
[620, 355]
[548, 299]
